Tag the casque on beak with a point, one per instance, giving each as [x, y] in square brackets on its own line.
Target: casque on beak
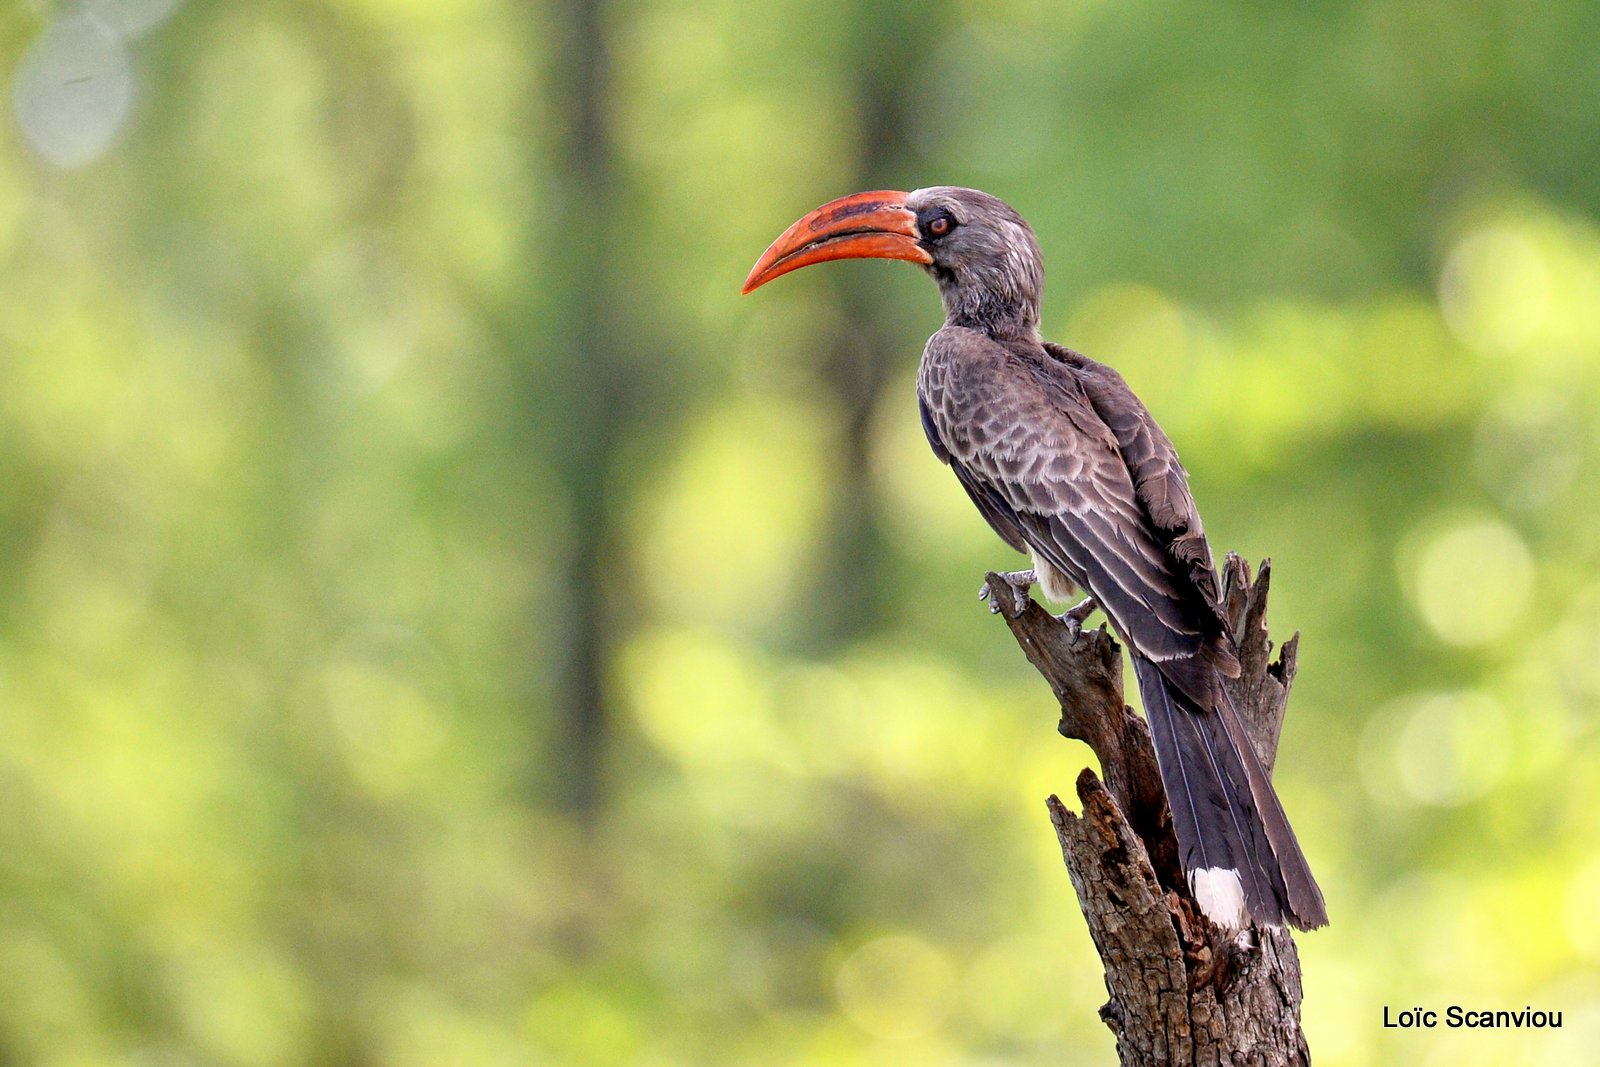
[875, 225]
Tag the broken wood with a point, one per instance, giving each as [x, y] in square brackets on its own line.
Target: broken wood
[1182, 991]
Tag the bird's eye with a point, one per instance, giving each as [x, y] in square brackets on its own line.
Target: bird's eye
[940, 225]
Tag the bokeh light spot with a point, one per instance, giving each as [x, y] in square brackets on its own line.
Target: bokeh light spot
[132, 18]
[1583, 914]
[1471, 581]
[1495, 289]
[1452, 748]
[740, 509]
[73, 90]
[699, 700]
[897, 987]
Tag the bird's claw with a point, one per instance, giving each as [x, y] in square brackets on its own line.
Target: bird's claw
[1074, 616]
[1017, 583]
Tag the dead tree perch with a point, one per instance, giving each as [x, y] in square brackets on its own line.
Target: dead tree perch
[1182, 992]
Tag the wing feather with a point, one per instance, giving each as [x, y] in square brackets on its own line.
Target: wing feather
[1157, 474]
[989, 503]
[1059, 455]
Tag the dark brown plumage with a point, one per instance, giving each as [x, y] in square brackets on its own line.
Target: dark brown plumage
[1066, 464]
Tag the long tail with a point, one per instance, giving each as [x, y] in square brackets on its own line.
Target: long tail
[1237, 848]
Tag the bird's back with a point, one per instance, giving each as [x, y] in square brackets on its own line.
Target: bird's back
[1021, 424]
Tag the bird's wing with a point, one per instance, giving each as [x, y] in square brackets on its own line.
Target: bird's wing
[1159, 479]
[1024, 428]
[990, 504]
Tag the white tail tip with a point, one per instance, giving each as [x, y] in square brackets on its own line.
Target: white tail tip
[1220, 895]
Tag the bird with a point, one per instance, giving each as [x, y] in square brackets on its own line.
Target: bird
[1069, 467]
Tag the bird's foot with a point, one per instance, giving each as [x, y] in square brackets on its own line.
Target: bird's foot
[1074, 616]
[1017, 584]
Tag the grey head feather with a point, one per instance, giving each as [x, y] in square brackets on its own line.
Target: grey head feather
[988, 267]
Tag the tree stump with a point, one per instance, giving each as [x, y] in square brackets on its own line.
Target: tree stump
[1182, 991]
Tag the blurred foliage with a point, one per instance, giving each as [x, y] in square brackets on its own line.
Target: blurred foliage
[443, 624]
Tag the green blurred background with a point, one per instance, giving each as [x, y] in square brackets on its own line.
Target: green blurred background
[441, 622]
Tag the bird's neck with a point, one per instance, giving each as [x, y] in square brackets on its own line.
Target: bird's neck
[998, 304]
[991, 314]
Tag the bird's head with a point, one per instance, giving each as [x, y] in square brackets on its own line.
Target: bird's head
[979, 250]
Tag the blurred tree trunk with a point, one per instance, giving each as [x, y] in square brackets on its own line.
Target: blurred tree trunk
[587, 373]
[1182, 992]
[865, 351]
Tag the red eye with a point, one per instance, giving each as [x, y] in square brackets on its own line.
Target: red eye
[939, 226]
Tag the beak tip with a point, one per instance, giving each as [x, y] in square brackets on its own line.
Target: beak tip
[874, 225]
[758, 277]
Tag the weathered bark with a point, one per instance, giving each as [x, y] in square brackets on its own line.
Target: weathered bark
[1182, 992]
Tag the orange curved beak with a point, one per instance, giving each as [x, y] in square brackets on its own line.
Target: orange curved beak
[875, 225]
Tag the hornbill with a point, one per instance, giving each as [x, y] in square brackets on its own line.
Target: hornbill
[1066, 464]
